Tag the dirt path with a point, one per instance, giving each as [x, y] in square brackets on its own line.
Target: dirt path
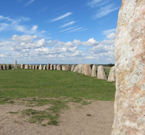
[72, 122]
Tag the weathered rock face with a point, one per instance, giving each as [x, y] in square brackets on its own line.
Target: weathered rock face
[63, 68]
[22, 66]
[51, 67]
[72, 67]
[76, 68]
[67, 67]
[33, 66]
[44, 67]
[80, 68]
[59, 67]
[54, 67]
[8, 66]
[40, 67]
[30, 66]
[86, 69]
[36, 66]
[111, 77]
[130, 69]
[15, 65]
[48, 66]
[1, 67]
[4, 67]
[101, 73]
[94, 71]
[26, 66]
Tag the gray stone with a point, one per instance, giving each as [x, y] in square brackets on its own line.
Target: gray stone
[22, 66]
[44, 67]
[54, 67]
[111, 77]
[33, 66]
[15, 65]
[4, 67]
[30, 66]
[8, 66]
[1, 67]
[80, 68]
[63, 67]
[72, 67]
[51, 67]
[94, 71]
[86, 69]
[101, 73]
[36, 66]
[40, 67]
[59, 67]
[48, 66]
[76, 68]
[67, 67]
[26, 66]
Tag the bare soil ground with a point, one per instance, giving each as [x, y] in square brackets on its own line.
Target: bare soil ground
[93, 119]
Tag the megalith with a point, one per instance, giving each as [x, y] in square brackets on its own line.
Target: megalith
[94, 71]
[26, 66]
[36, 66]
[44, 67]
[30, 66]
[86, 69]
[80, 68]
[72, 67]
[15, 65]
[22, 66]
[4, 67]
[33, 66]
[59, 67]
[63, 67]
[67, 67]
[8, 66]
[40, 67]
[101, 73]
[76, 68]
[51, 67]
[48, 66]
[130, 69]
[111, 77]
[54, 67]
[1, 67]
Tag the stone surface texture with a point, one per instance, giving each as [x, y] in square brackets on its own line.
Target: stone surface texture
[86, 69]
[15, 65]
[63, 68]
[76, 68]
[51, 67]
[4, 67]
[1, 67]
[59, 67]
[30, 66]
[111, 77]
[26, 66]
[36, 66]
[130, 69]
[44, 67]
[8, 66]
[54, 67]
[101, 73]
[67, 67]
[48, 66]
[72, 67]
[33, 66]
[22, 66]
[40, 67]
[80, 68]
[94, 71]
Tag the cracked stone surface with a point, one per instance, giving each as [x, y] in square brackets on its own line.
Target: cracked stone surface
[130, 69]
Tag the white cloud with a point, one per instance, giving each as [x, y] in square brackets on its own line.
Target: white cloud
[94, 2]
[34, 28]
[106, 32]
[103, 11]
[91, 42]
[68, 24]
[61, 17]
[111, 36]
[76, 29]
[68, 29]
[29, 2]
[77, 42]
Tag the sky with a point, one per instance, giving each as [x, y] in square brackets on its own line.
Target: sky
[58, 31]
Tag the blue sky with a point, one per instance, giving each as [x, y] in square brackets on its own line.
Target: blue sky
[58, 31]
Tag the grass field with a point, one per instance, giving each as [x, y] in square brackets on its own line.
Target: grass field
[57, 88]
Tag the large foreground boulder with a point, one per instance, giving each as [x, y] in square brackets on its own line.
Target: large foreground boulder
[72, 67]
[80, 68]
[130, 69]
[101, 73]
[86, 69]
[67, 67]
[111, 77]
[94, 71]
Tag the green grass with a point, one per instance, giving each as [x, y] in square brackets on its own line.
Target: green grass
[56, 88]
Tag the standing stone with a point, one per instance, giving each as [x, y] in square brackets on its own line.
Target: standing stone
[48, 66]
[36, 66]
[63, 67]
[1, 67]
[94, 71]
[80, 68]
[101, 73]
[4, 67]
[111, 77]
[86, 70]
[76, 68]
[22, 66]
[26, 66]
[130, 69]
[72, 67]
[40, 67]
[15, 65]
[51, 67]
[54, 67]
[33, 66]
[67, 67]
[59, 67]
[30, 66]
[44, 67]
[8, 66]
